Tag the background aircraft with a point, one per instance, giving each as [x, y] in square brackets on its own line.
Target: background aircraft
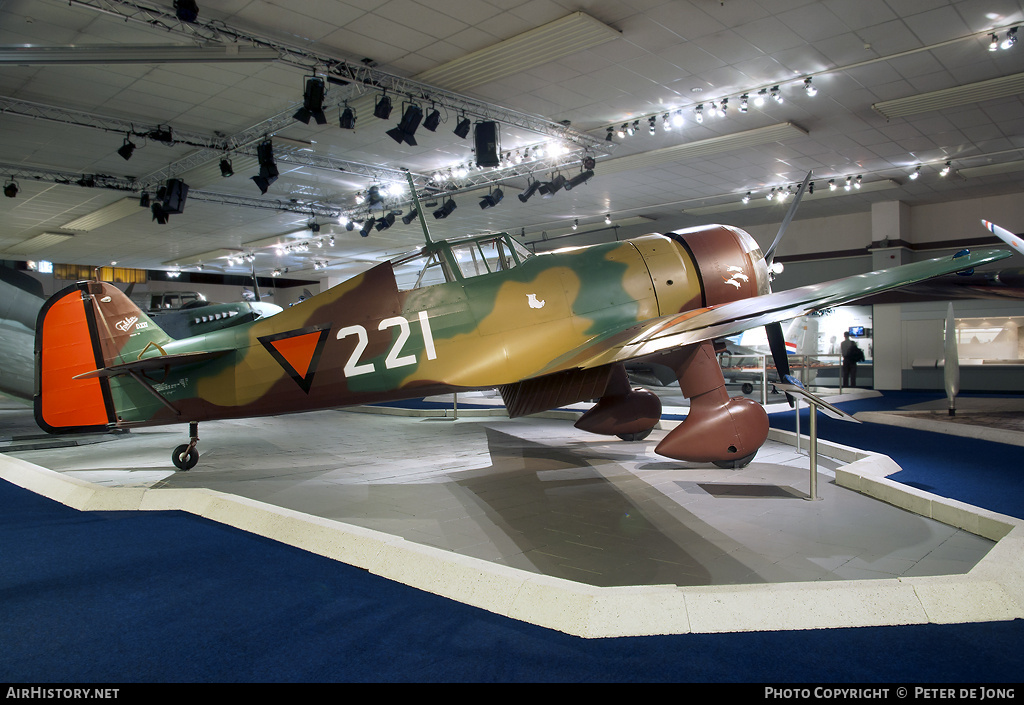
[546, 330]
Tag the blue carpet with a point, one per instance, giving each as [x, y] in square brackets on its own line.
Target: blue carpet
[984, 474]
[145, 597]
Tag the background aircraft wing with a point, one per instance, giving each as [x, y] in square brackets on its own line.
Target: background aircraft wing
[667, 332]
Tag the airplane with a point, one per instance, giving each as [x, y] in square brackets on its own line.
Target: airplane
[545, 330]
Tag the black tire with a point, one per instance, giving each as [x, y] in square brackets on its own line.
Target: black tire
[747, 387]
[638, 436]
[183, 458]
[735, 464]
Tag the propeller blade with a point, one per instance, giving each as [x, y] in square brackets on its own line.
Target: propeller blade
[770, 254]
[777, 344]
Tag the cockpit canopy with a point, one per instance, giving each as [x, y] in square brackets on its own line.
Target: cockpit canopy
[460, 259]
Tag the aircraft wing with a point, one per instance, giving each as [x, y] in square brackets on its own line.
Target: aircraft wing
[667, 332]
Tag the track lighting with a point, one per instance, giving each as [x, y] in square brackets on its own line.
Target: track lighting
[945, 169]
[856, 184]
[581, 178]
[651, 125]
[623, 130]
[1011, 39]
[409, 217]
[445, 210]
[126, 149]
[611, 133]
[915, 173]
[993, 43]
[347, 121]
[776, 96]
[832, 185]
[809, 88]
[407, 127]
[462, 129]
[529, 191]
[382, 109]
[746, 198]
[367, 227]
[761, 96]
[666, 123]
[226, 169]
[608, 219]
[849, 183]
[312, 102]
[698, 113]
[771, 196]
[11, 189]
[575, 223]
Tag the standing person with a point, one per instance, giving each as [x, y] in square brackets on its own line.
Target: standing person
[852, 354]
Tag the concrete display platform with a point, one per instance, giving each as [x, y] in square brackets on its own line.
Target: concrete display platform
[534, 520]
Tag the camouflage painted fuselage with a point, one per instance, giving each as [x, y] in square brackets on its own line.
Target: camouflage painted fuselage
[365, 341]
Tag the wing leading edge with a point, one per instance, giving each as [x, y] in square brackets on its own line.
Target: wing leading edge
[690, 327]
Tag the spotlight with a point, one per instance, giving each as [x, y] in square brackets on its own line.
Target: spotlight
[386, 222]
[622, 131]
[445, 210]
[462, 129]
[552, 187]
[268, 168]
[492, 199]
[226, 169]
[761, 96]
[832, 185]
[367, 227]
[945, 169]
[1011, 39]
[608, 219]
[581, 178]
[651, 125]
[347, 121]
[856, 184]
[744, 103]
[530, 190]
[746, 198]
[11, 189]
[407, 127]
[915, 173]
[411, 216]
[776, 96]
[809, 87]
[383, 108]
[159, 215]
[186, 10]
[312, 102]
[698, 113]
[144, 200]
[432, 120]
[575, 223]
[849, 183]
[126, 149]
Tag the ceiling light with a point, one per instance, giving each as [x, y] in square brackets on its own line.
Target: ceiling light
[723, 107]
[776, 96]
[832, 185]
[445, 210]
[607, 138]
[744, 102]
[552, 187]
[1011, 39]
[678, 119]
[268, 169]
[575, 223]
[945, 169]
[915, 173]
[11, 189]
[771, 195]
[698, 113]
[652, 125]
[666, 123]
[126, 149]
[226, 169]
[856, 184]
[746, 198]
[382, 109]
[462, 129]
[312, 102]
[849, 183]
[186, 10]
[809, 87]
[386, 222]
[492, 199]
[608, 219]
[432, 120]
[375, 198]
[347, 121]
[411, 216]
[993, 43]
[407, 127]
[529, 191]
[761, 95]
[581, 178]
[367, 227]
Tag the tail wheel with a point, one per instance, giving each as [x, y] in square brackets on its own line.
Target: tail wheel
[185, 456]
[638, 436]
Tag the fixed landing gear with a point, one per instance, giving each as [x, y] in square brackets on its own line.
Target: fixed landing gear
[186, 455]
[735, 464]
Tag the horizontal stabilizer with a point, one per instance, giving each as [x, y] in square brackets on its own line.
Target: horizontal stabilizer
[150, 364]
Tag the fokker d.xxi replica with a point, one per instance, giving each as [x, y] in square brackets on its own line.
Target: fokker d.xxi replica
[546, 330]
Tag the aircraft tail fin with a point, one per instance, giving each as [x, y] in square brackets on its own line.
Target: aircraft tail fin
[82, 328]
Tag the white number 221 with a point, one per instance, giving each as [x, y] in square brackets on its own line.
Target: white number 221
[394, 358]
